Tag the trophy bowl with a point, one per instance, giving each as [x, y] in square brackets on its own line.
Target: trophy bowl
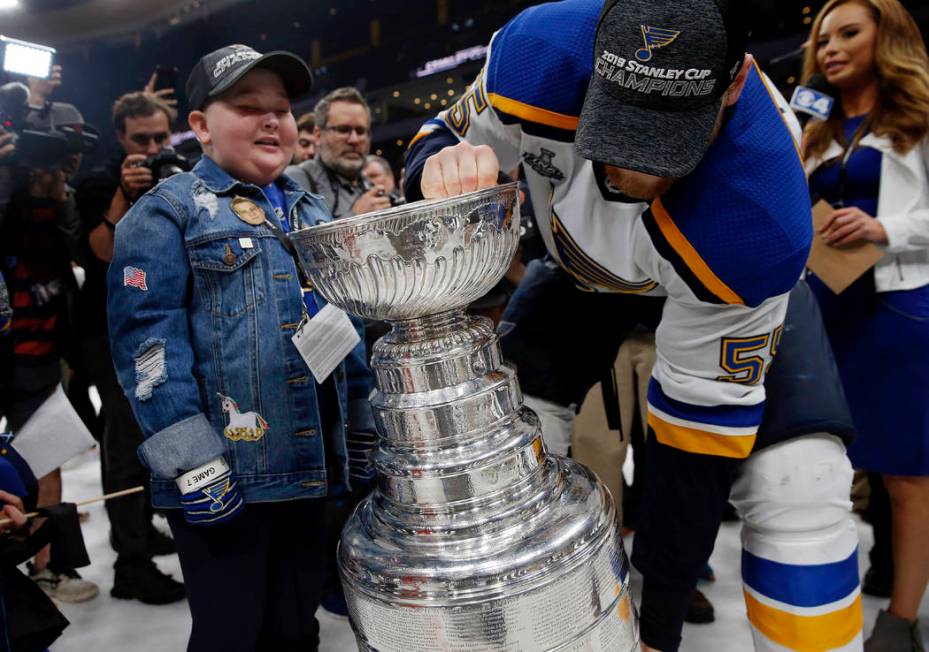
[423, 258]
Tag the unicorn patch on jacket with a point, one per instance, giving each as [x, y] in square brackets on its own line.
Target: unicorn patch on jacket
[242, 426]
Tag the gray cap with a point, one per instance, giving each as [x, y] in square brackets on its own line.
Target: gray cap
[219, 70]
[54, 114]
[661, 68]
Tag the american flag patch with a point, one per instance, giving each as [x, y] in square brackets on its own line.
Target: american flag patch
[133, 277]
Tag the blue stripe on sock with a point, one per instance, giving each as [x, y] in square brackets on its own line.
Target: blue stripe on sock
[801, 586]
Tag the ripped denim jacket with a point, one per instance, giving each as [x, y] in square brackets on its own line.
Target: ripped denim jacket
[202, 303]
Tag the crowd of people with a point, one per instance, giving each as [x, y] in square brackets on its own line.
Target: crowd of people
[666, 255]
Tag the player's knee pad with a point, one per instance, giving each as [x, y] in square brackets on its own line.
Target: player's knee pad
[800, 486]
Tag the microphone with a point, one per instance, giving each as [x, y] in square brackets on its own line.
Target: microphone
[813, 101]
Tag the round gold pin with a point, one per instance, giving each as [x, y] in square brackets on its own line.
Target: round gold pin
[248, 211]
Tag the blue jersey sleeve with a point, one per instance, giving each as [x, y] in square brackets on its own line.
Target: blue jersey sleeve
[738, 229]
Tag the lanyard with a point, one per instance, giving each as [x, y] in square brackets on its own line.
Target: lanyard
[335, 187]
[276, 197]
[289, 246]
[309, 300]
[860, 133]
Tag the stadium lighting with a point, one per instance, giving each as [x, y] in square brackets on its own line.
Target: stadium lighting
[9, 4]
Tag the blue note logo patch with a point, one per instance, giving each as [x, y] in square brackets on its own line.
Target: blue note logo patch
[542, 164]
[654, 38]
[217, 494]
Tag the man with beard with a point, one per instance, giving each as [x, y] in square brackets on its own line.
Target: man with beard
[343, 134]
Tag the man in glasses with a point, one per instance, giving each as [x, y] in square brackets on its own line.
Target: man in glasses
[343, 136]
[143, 127]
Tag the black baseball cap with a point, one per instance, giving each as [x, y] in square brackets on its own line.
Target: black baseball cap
[661, 68]
[219, 70]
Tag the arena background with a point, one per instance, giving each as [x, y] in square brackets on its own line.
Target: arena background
[410, 58]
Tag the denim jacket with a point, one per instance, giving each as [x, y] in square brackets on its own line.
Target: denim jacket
[202, 306]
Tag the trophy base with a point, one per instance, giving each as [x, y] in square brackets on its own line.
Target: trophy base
[611, 633]
[557, 580]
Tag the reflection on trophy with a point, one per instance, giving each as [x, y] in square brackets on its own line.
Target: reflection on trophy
[476, 539]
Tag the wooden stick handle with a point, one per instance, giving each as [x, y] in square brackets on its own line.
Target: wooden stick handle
[115, 494]
[89, 501]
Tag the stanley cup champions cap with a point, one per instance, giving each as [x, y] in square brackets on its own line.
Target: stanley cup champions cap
[661, 68]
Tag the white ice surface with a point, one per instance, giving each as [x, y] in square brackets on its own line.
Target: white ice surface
[109, 625]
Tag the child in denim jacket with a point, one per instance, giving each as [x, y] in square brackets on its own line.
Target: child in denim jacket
[204, 298]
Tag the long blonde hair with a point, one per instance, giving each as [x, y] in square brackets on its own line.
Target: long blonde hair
[902, 110]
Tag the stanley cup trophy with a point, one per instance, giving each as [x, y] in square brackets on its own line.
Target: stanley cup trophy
[475, 539]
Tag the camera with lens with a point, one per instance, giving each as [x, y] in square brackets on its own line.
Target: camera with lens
[43, 136]
[166, 163]
[396, 199]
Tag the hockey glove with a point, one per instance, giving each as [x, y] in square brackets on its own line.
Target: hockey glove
[209, 494]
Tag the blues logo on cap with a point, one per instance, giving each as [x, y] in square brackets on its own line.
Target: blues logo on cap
[655, 37]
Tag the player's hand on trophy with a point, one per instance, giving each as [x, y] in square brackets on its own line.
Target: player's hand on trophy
[459, 169]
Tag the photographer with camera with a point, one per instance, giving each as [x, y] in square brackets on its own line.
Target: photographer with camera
[40, 151]
[143, 128]
[379, 173]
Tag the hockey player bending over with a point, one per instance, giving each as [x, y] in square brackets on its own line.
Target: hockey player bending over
[667, 185]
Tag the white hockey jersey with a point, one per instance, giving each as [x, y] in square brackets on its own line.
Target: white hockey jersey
[725, 244]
